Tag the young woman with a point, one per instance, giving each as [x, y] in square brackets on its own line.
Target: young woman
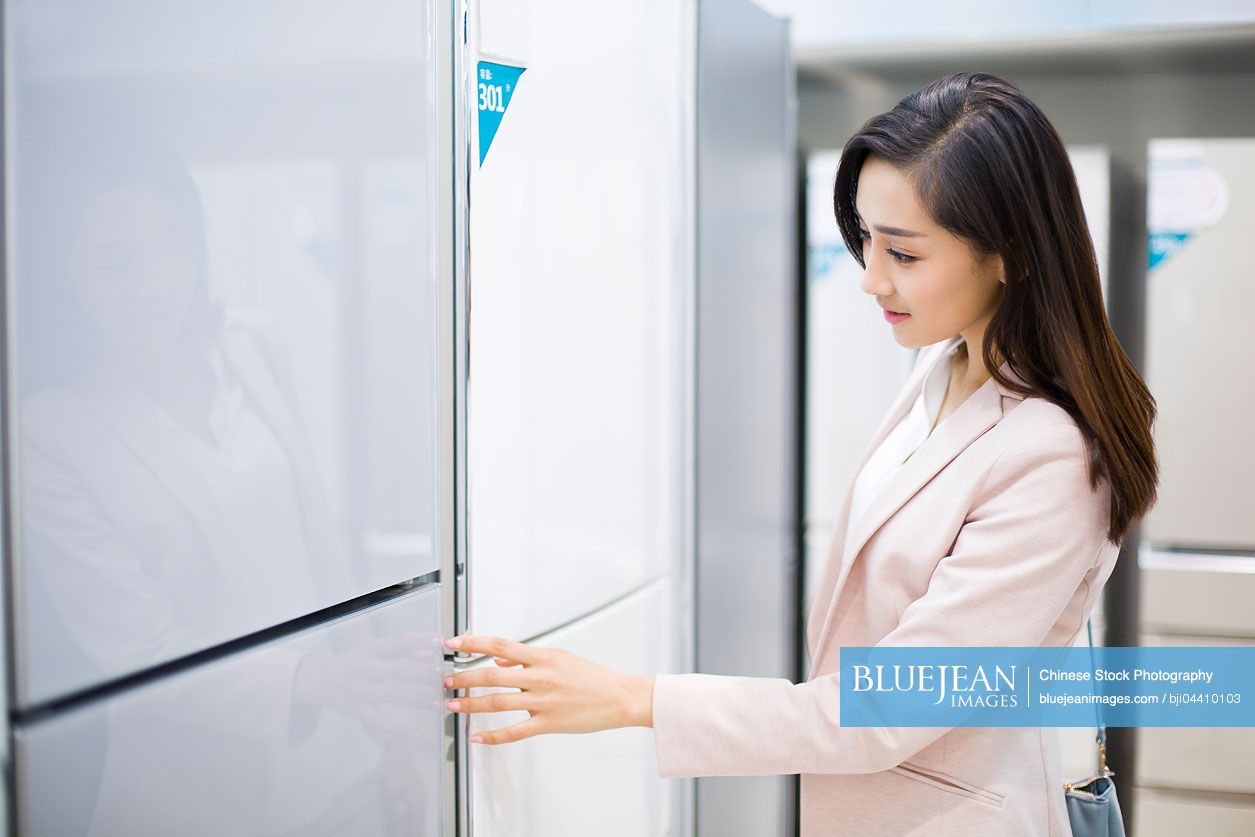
[988, 509]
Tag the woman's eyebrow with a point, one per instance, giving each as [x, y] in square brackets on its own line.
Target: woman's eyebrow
[898, 231]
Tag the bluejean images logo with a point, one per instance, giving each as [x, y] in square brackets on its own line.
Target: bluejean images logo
[963, 686]
[1005, 686]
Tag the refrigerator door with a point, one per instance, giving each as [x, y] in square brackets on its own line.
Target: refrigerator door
[605, 782]
[335, 730]
[223, 360]
[577, 278]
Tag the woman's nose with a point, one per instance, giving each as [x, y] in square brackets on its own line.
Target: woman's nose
[875, 280]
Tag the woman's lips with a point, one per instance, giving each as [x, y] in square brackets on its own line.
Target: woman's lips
[894, 316]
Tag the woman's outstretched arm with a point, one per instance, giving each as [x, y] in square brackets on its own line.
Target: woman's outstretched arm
[1035, 536]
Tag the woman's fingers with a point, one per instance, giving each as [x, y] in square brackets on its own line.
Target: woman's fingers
[496, 646]
[525, 729]
[511, 677]
[499, 702]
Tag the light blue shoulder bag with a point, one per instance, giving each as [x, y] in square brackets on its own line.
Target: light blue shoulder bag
[1093, 809]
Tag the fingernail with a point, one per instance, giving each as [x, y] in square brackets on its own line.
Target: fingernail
[478, 739]
[448, 681]
[453, 704]
[453, 643]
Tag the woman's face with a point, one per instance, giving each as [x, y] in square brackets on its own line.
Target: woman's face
[915, 267]
[135, 266]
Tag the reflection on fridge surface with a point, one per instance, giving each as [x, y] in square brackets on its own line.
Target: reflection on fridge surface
[224, 342]
[335, 730]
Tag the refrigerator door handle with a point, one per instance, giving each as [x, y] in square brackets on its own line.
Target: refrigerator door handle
[452, 218]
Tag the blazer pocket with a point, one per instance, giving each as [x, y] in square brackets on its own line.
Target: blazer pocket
[946, 782]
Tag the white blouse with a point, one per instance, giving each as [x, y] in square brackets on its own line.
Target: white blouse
[247, 473]
[902, 441]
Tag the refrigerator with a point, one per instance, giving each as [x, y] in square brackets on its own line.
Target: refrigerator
[227, 415]
[1197, 550]
[1200, 206]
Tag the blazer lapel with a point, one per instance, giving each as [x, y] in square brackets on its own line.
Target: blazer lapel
[981, 411]
[327, 550]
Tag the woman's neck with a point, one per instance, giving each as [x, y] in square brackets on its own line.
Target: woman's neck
[968, 370]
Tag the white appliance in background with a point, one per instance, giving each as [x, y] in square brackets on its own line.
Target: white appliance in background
[579, 277]
[1201, 776]
[1092, 166]
[854, 367]
[1199, 352]
[1197, 555]
[228, 397]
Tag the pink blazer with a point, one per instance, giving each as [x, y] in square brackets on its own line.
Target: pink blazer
[988, 535]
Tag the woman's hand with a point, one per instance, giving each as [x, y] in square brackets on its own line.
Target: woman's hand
[382, 682]
[561, 691]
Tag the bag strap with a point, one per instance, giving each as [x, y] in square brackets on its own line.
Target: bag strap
[1102, 730]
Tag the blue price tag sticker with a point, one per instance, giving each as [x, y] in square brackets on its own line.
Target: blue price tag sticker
[496, 85]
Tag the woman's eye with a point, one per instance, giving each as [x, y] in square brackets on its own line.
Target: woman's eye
[901, 258]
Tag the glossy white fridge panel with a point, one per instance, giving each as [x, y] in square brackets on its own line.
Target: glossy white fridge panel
[577, 268]
[1199, 353]
[607, 782]
[336, 730]
[224, 346]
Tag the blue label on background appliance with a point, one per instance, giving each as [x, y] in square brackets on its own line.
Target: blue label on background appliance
[1164, 245]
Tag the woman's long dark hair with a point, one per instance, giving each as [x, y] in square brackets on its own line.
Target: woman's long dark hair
[989, 167]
